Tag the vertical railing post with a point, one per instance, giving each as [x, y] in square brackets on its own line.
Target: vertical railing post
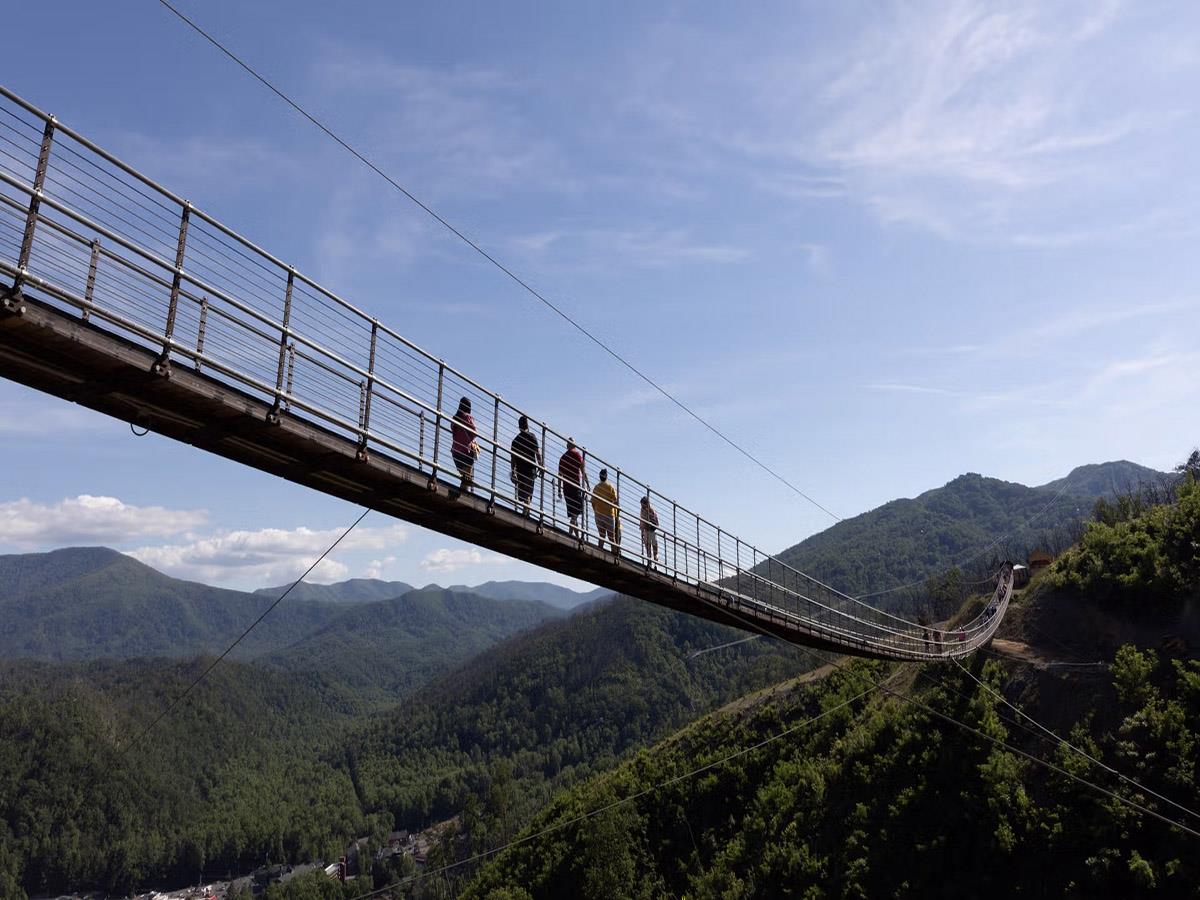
[362, 410]
[617, 517]
[737, 556]
[369, 390]
[284, 336]
[675, 539]
[421, 437]
[437, 425]
[291, 373]
[89, 289]
[495, 439]
[200, 331]
[699, 564]
[163, 365]
[12, 299]
[542, 477]
[720, 558]
[587, 500]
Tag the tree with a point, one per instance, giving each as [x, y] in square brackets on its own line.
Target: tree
[1191, 465]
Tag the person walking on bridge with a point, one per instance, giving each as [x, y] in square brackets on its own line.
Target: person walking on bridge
[649, 531]
[464, 448]
[606, 506]
[526, 460]
[572, 479]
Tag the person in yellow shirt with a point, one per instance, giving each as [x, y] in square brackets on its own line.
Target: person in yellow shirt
[605, 504]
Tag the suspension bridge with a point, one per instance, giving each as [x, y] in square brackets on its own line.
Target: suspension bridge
[122, 297]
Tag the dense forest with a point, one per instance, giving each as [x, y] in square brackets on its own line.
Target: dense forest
[880, 796]
[232, 777]
[551, 707]
[264, 765]
[362, 715]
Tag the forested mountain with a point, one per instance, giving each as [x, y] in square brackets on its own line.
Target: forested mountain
[965, 522]
[276, 759]
[555, 595]
[1105, 479]
[822, 791]
[232, 776]
[90, 602]
[551, 706]
[366, 590]
[356, 590]
[263, 763]
[384, 650]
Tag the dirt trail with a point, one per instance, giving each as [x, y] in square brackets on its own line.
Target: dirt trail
[1036, 657]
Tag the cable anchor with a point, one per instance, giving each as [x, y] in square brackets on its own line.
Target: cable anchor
[14, 301]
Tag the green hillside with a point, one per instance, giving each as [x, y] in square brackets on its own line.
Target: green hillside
[555, 595]
[233, 776]
[82, 603]
[355, 590]
[880, 797]
[385, 650]
[551, 706]
[968, 521]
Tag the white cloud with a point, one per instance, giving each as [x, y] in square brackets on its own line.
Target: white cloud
[643, 248]
[377, 567]
[465, 128]
[266, 556]
[89, 520]
[1007, 123]
[445, 560]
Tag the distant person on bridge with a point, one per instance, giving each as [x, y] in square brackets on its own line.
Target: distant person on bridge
[572, 478]
[605, 504]
[464, 448]
[649, 531]
[526, 458]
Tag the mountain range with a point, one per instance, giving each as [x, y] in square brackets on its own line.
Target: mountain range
[968, 522]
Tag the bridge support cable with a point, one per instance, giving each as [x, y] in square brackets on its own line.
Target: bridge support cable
[582, 817]
[174, 703]
[119, 267]
[1063, 742]
[1132, 804]
[491, 259]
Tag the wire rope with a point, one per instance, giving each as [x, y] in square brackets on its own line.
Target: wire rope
[174, 703]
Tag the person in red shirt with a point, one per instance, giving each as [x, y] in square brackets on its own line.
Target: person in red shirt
[463, 448]
[572, 478]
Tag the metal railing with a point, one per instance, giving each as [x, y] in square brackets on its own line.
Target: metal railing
[90, 234]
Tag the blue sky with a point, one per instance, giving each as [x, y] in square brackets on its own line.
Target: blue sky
[881, 244]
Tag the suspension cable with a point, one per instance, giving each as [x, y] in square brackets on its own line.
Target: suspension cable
[1065, 743]
[174, 703]
[525, 285]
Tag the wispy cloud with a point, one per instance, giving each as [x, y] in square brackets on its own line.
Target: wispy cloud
[87, 519]
[641, 248]
[458, 129]
[900, 388]
[975, 121]
[264, 556]
[445, 560]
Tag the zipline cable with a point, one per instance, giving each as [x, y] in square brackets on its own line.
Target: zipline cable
[1124, 800]
[174, 703]
[557, 826]
[492, 259]
[1065, 743]
[881, 685]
